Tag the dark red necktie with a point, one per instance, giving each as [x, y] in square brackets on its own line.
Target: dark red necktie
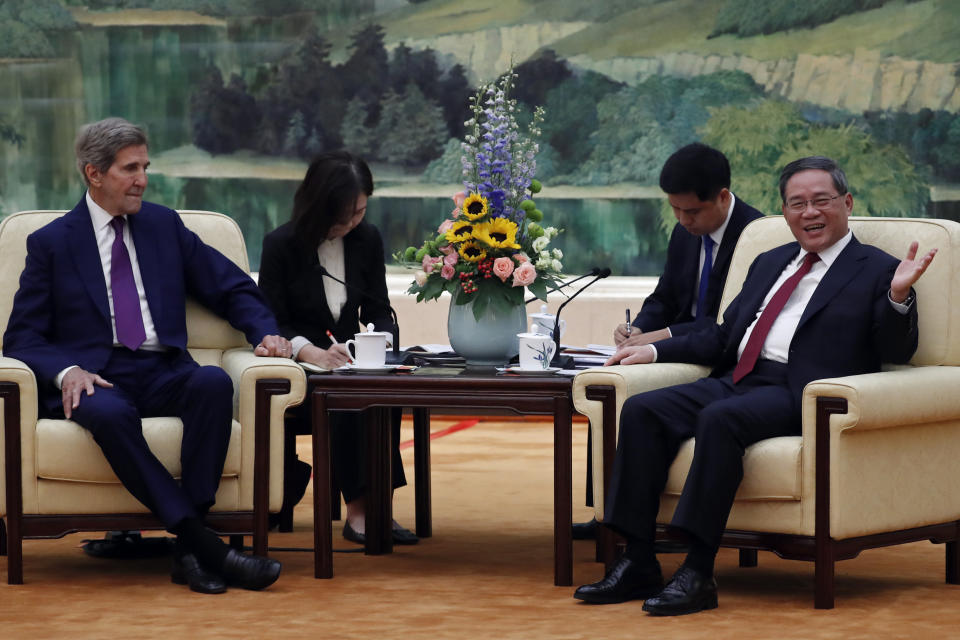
[123, 288]
[759, 335]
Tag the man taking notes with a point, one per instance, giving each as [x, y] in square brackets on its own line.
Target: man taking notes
[821, 307]
[696, 180]
[100, 319]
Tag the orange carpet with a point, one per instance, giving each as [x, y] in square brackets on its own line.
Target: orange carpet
[486, 573]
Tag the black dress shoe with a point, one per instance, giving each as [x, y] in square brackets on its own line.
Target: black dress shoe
[400, 535]
[250, 572]
[687, 592]
[585, 530]
[187, 570]
[128, 544]
[627, 580]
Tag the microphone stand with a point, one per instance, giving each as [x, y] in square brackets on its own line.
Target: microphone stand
[603, 273]
[396, 323]
[593, 272]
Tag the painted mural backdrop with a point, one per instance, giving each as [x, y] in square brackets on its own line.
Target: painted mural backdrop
[237, 95]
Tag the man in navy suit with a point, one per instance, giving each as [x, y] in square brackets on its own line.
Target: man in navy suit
[696, 180]
[100, 319]
[820, 307]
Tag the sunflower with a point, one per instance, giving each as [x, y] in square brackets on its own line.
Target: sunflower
[472, 252]
[474, 207]
[460, 231]
[498, 233]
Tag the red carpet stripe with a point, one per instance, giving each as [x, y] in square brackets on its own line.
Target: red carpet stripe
[459, 426]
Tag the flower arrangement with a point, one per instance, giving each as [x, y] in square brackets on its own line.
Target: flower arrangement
[492, 246]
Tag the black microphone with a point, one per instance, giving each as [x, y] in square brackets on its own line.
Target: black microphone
[593, 272]
[396, 323]
[602, 273]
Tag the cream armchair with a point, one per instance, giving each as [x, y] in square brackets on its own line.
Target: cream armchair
[54, 478]
[876, 463]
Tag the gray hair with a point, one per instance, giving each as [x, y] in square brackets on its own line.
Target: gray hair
[819, 163]
[99, 142]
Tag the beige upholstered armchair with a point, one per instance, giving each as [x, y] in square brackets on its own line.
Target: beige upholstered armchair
[54, 478]
[877, 462]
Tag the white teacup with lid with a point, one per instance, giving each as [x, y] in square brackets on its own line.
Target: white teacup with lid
[369, 348]
[544, 322]
[536, 350]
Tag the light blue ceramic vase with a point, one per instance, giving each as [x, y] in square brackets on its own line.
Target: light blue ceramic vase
[488, 342]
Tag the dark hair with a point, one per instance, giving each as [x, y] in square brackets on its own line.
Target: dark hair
[328, 194]
[819, 163]
[696, 168]
[98, 143]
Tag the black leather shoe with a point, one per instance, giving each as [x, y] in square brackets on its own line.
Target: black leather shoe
[585, 530]
[250, 572]
[404, 536]
[687, 592]
[350, 534]
[627, 580]
[187, 570]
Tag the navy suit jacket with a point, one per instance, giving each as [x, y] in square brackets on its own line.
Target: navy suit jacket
[669, 304]
[291, 281]
[849, 326]
[61, 316]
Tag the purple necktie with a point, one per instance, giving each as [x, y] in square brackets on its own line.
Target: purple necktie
[126, 300]
[755, 342]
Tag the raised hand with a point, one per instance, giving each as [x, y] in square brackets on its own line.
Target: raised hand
[908, 272]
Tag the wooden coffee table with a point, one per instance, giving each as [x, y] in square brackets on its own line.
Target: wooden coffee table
[423, 390]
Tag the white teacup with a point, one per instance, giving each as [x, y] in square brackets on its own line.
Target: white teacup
[369, 349]
[536, 351]
[544, 322]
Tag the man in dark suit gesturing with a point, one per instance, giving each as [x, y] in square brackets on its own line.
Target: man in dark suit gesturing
[696, 180]
[100, 319]
[820, 307]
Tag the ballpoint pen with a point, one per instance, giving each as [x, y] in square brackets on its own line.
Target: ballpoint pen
[333, 339]
[629, 326]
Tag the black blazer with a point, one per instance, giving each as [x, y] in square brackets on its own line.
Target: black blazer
[849, 326]
[291, 281]
[669, 304]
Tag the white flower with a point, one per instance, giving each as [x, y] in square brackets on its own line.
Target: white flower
[550, 233]
[420, 277]
[539, 244]
[557, 254]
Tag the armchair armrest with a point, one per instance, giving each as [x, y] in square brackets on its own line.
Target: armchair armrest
[18, 426]
[264, 389]
[880, 450]
[600, 393]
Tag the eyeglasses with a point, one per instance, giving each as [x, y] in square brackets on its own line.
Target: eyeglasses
[818, 203]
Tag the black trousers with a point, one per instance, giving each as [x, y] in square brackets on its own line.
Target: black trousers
[724, 418]
[148, 384]
[347, 439]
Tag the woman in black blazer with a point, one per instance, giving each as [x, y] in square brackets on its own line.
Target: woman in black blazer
[327, 229]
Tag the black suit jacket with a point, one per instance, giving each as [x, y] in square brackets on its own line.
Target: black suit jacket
[669, 304]
[849, 326]
[291, 281]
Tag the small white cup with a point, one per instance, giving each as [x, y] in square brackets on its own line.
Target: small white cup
[544, 322]
[369, 349]
[536, 351]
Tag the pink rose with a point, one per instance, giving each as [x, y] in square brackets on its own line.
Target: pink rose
[458, 198]
[525, 274]
[446, 272]
[445, 226]
[448, 249]
[427, 264]
[521, 257]
[502, 268]
[451, 259]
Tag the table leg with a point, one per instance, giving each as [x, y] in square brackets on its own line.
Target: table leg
[562, 492]
[421, 471]
[379, 521]
[322, 526]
